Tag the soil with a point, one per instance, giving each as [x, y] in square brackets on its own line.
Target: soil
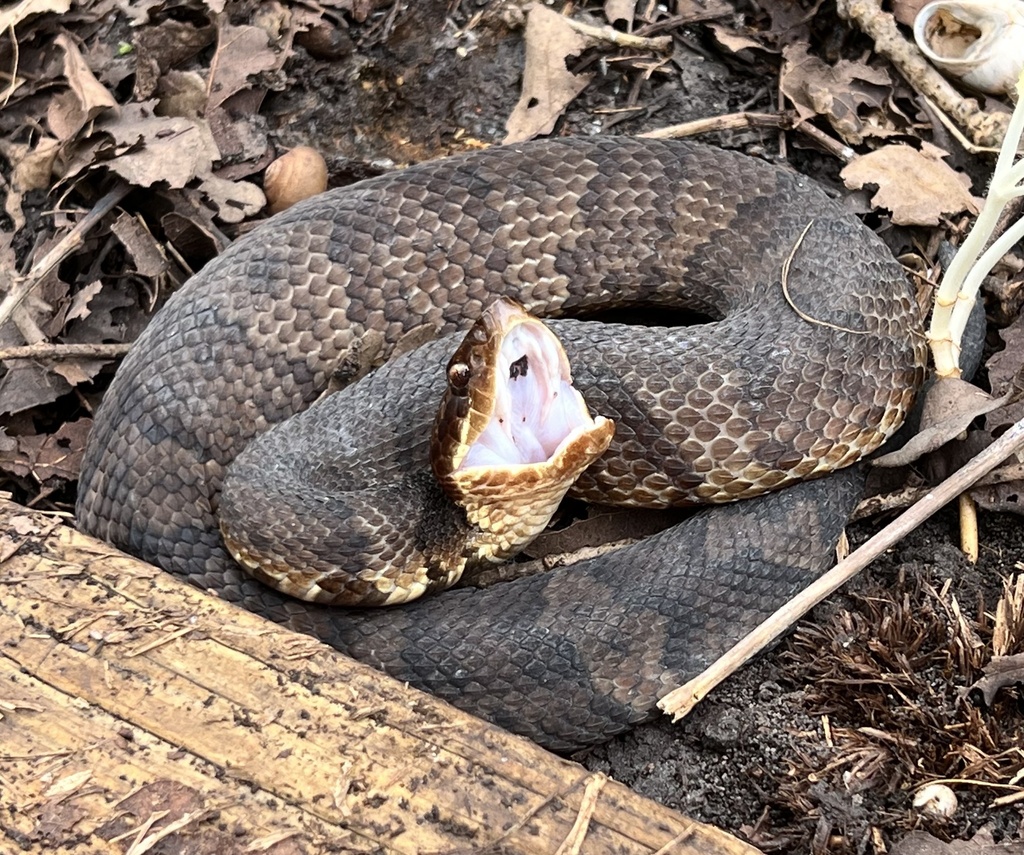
[819, 745]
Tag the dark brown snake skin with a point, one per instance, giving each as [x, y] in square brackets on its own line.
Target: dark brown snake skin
[762, 396]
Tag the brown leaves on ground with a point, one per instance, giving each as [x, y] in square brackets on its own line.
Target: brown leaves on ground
[172, 114]
[851, 94]
[918, 186]
[548, 85]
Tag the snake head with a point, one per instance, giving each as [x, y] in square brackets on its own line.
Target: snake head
[512, 434]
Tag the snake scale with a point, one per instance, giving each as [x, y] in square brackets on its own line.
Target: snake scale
[811, 359]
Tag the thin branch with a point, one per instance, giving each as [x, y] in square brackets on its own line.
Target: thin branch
[48, 350]
[21, 289]
[741, 121]
[679, 702]
[984, 128]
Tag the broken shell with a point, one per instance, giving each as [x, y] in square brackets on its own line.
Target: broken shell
[979, 42]
[294, 176]
[936, 801]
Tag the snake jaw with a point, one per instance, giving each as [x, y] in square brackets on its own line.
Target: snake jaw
[512, 433]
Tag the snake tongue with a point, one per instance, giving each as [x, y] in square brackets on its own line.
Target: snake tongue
[522, 434]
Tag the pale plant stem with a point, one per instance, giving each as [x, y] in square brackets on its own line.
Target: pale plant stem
[958, 291]
[961, 310]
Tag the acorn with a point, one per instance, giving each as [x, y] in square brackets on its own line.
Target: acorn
[294, 176]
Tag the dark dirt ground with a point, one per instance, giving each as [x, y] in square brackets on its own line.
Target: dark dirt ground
[819, 745]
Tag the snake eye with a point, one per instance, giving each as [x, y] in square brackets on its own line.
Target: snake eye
[458, 375]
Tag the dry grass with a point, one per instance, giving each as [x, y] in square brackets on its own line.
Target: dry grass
[890, 679]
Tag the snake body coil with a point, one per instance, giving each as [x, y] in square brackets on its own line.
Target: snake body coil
[813, 360]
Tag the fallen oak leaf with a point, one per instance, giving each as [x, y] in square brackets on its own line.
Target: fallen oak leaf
[838, 92]
[42, 457]
[27, 385]
[79, 307]
[917, 186]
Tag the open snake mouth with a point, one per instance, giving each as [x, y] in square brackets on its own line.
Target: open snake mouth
[535, 406]
[512, 433]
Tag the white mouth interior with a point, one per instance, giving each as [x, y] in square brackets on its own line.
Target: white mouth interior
[536, 407]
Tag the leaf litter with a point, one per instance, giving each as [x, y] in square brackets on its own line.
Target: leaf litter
[183, 105]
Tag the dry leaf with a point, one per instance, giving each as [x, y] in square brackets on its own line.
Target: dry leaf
[917, 186]
[80, 302]
[840, 93]
[43, 457]
[1006, 373]
[949, 408]
[160, 148]
[548, 86]
[146, 253]
[18, 12]
[731, 40]
[91, 96]
[27, 384]
[32, 171]
[620, 10]
[163, 47]
[234, 200]
[241, 53]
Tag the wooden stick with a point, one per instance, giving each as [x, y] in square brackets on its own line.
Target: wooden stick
[679, 702]
[47, 350]
[72, 240]
[739, 121]
[984, 128]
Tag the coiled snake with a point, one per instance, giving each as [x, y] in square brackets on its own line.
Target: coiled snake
[813, 358]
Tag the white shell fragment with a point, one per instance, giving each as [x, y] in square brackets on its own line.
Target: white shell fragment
[980, 42]
[936, 801]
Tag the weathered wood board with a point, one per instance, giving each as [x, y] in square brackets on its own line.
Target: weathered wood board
[140, 715]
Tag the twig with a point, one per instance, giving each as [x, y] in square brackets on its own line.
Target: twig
[985, 129]
[578, 833]
[70, 242]
[740, 121]
[968, 527]
[660, 44]
[680, 701]
[949, 125]
[672, 845]
[48, 350]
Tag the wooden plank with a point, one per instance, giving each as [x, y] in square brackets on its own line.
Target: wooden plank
[133, 705]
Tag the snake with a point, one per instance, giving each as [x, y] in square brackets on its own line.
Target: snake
[322, 342]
